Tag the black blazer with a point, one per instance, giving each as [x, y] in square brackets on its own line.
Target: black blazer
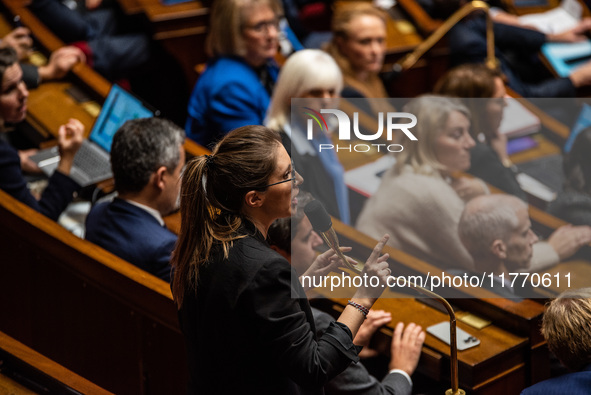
[249, 328]
[132, 234]
[56, 196]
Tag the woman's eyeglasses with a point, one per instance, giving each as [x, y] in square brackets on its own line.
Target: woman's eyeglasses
[264, 26]
[292, 179]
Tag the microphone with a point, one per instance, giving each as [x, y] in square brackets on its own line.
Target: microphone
[322, 224]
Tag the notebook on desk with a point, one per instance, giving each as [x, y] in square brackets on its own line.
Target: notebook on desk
[92, 161]
[565, 57]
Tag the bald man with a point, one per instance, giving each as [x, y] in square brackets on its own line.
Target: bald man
[496, 230]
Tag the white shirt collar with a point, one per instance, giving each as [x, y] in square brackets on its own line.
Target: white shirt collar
[150, 210]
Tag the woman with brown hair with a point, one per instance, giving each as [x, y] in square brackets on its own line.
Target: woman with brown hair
[246, 320]
[13, 109]
[483, 91]
[359, 47]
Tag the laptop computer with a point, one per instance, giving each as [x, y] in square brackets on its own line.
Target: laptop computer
[92, 161]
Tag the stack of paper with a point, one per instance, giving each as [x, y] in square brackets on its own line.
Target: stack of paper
[557, 20]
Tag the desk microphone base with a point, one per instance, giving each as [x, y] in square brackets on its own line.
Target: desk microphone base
[458, 392]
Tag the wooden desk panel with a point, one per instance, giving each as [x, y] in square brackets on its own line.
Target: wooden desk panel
[424, 22]
[54, 371]
[51, 106]
[85, 308]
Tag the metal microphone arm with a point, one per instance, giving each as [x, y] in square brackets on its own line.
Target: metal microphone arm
[491, 62]
[453, 341]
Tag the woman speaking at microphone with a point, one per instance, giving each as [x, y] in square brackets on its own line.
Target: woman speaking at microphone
[246, 320]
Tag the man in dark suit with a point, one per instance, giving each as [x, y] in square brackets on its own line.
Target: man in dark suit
[147, 158]
[496, 230]
[567, 329]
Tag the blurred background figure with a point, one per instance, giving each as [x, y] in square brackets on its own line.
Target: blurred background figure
[573, 203]
[237, 84]
[430, 197]
[489, 159]
[114, 49]
[359, 46]
[59, 63]
[120, 48]
[13, 109]
[20, 40]
[430, 194]
[566, 326]
[496, 230]
[311, 74]
[516, 48]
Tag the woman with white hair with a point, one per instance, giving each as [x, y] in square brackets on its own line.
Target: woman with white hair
[420, 200]
[311, 74]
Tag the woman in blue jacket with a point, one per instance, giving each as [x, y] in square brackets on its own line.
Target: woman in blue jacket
[236, 86]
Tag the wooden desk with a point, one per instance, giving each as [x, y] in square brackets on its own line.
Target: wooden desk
[51, 106]
[85, 308]
[497, 365]
[22, 360]
[180, 28]
[424, 22]
[81, 73]
[403, 38]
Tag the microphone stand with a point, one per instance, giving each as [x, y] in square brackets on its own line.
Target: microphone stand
[453, 341]
[322, 224]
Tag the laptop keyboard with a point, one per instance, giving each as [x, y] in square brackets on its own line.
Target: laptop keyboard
[91, 160]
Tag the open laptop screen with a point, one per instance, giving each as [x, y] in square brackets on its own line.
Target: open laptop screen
[120, 106]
